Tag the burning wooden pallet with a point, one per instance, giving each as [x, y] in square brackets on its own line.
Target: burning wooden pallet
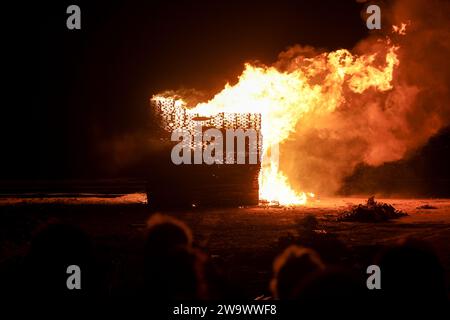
[203, 184]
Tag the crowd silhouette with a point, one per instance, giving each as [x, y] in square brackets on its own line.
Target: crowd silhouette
[174, 268]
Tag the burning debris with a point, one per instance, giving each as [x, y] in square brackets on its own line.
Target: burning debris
[372, 211]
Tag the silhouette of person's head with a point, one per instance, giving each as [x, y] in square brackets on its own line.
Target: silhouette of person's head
[291, 268]
[165, 233]
[52, 251]
[173, 269]
[411, 270]
[177, 275]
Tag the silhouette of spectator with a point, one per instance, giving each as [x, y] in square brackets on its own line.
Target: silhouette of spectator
[173, 269]
[178, 275]
[52, 251]
[331, 285]
[165, 233]
[411, 270]
[291, 268]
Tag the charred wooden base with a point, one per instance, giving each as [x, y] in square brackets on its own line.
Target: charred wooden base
[204, 186]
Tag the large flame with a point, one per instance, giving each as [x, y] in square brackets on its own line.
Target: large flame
[307, 86]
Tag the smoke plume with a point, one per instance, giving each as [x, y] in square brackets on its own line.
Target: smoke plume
[377, 127]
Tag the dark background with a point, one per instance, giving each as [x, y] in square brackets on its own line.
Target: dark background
[95, 83]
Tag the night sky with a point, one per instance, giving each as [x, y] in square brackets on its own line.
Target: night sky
[95, 83]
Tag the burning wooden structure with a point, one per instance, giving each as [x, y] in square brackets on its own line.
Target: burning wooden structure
[218, 184]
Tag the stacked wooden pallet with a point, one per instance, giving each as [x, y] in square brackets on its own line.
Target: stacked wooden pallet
[200, 185]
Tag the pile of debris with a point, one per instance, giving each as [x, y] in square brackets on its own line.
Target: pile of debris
[372, 211]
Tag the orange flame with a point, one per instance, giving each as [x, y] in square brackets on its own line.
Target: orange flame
[310, 86]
